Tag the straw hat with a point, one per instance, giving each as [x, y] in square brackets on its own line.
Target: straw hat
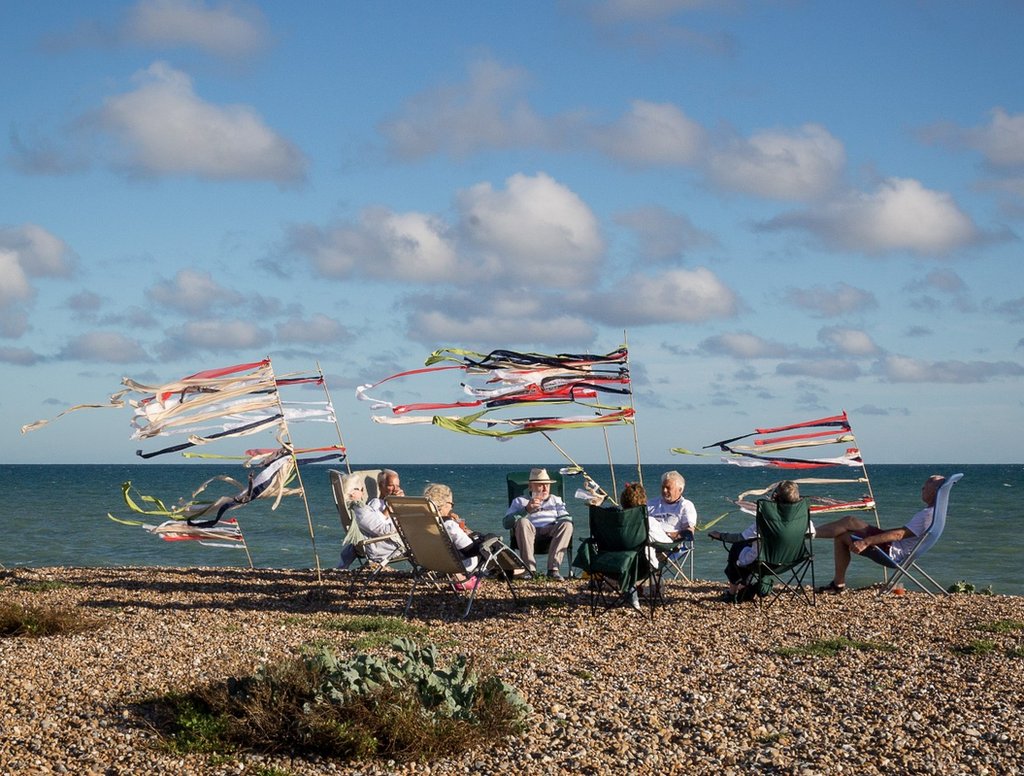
[540, 475]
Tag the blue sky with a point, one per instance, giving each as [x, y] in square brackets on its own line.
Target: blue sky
[787, 208]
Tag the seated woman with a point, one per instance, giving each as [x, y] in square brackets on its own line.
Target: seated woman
[368, 523]
[468, 544]
[743, 551]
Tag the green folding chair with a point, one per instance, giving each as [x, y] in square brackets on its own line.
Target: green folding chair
[615, 556]
[785, 555]
[517, 484]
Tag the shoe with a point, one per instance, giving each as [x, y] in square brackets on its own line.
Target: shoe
[556, 575]
[470, 584]
[833, 588]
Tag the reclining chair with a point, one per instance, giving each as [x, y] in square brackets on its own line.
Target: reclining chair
[435, 559]
[925, 542]
[353, 536]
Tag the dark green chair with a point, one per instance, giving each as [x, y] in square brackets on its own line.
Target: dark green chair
[615, 555]
[517, 484]
[785, 555]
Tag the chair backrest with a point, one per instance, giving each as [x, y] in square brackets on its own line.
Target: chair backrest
[420, 525]
[782, 530]
[519, 482]
[938, 523]
[338, 491]
[618, 530]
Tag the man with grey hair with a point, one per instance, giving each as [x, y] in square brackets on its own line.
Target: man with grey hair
[676, 515]
[388, 484]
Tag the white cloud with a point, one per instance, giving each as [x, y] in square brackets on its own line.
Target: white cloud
[105, 347]
[662, 234]
[19, 356]
[536, 231]
[14, 285]
[39, 253]
[233, 29]
[849, 342]
[745, 345]
[799, 165]
[652, 134]
[903, 369]
[1002, 140]
[27, 252]
[673, 296]
[383, 244]
[820, 369]
[485, 320]
[487, 111]
[901, 215]
[318, 328]
[823, 302]
[193, 291]
[216, 336]
[164, 128]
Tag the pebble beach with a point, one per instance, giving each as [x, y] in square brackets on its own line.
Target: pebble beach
[703, 687]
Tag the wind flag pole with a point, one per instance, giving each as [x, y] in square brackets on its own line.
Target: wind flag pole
[583, 471]
[298, 474]
[611, 465]
[330, 403]
[632, 406]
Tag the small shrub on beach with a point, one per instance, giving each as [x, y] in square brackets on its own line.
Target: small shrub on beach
[976, 647]
[37, 621]
[378, 630]
[1001, 626]
[832, 647]
[405, 707]
[46, 585]
[965, 587]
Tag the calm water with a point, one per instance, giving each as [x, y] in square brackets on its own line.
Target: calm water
[57, 515]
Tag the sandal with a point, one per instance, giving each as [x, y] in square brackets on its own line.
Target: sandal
[833, 588]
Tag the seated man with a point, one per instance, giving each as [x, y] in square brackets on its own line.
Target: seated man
[369, 522]
[853, 535]
[388, 484]
[743, 551]
[540, 514]
[676, 515]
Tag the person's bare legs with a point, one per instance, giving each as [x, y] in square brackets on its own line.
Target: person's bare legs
[844, 525]
[840, 531]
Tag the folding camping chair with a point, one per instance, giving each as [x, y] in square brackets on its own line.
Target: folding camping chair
[925, 542]
[678, 563]
[615, 556]
[784, 554]
[435, 559]
[375, 561]
[517, 483]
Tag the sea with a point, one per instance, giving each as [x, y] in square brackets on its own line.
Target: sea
[59, 515]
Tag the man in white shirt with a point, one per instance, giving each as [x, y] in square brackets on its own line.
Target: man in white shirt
[853, 536]
[539, 513]
[676, 515]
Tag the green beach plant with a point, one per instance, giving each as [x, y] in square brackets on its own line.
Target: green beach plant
[977, 647]
[1001, 626]
[406, 706]
[832, 647]
[967, 588]
[37, 621]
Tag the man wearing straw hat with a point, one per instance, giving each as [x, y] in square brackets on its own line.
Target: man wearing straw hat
[540, 514]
